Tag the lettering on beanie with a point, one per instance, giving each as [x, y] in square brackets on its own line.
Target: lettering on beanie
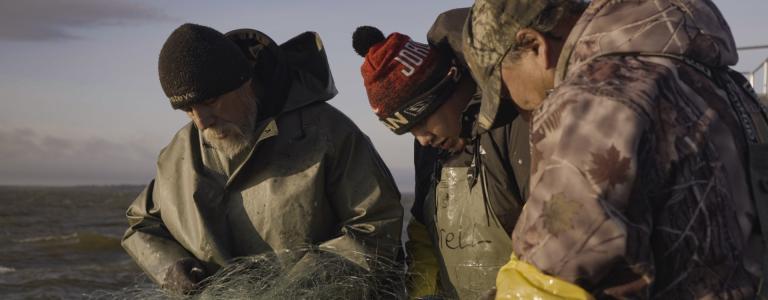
[417, 108]
[399, 120]
[183, 97]
[411, 56]
[393, 123]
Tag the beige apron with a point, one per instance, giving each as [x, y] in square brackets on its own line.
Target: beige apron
[471, 242]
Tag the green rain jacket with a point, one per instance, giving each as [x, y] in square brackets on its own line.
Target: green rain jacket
[313, 180]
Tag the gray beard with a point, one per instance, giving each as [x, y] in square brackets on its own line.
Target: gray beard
[237, 140]
[235, 143]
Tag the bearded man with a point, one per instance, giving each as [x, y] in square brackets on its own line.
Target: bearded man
[265, 165]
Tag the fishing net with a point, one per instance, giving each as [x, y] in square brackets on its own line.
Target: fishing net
[296, 274]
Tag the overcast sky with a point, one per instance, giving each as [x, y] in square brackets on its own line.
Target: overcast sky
[80, 101]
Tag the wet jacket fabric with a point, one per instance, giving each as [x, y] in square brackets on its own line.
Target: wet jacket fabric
[312, 181]
[638, 185]
[469, 201]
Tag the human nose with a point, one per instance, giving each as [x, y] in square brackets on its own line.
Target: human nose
[422, 136]
[202, 116]
[424, 140]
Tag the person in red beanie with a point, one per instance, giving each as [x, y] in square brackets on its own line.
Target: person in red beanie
[470, 184]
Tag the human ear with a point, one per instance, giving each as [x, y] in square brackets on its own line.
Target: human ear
[537, 44]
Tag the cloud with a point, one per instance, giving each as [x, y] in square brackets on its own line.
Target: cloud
[29, 157]
[42, 20]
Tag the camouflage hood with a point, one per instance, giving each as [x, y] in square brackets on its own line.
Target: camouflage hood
[691, 28]
[639, 185]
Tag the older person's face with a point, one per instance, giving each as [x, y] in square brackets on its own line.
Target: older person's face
[524, 82]
[227, 121]
[528, 74]
[442, 128]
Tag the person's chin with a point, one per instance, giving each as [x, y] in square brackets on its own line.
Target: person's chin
[231, 146]
[457, 146]
[217, 134]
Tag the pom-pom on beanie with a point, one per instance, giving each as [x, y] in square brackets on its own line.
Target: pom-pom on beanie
[405, 80]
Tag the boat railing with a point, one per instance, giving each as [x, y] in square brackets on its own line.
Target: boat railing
[759, 77]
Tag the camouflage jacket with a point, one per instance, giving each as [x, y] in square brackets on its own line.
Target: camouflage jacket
[638, 184]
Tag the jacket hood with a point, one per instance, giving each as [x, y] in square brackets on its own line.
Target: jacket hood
[291, 75]
[310, 75]
[692, 28]
[446, 34]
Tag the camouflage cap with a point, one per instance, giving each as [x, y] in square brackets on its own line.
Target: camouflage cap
[489, 33]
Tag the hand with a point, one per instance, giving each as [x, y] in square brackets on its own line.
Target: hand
[183, 276]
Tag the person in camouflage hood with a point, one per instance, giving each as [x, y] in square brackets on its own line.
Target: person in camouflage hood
[265, 166]
[643, 146]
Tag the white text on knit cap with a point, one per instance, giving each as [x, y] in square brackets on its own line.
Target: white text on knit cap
[412, 56]
[182, 97]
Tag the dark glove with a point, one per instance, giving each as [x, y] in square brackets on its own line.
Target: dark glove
[184, 276]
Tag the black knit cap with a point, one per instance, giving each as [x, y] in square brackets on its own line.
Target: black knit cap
[199, 63]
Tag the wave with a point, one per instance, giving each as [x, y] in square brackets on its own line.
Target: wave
[82, 241]
[47, 238]
[4, 270]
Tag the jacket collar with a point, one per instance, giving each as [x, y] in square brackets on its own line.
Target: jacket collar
[265, 129]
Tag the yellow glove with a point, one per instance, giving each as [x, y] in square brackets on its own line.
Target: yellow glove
[520, 280]
[423, 267]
